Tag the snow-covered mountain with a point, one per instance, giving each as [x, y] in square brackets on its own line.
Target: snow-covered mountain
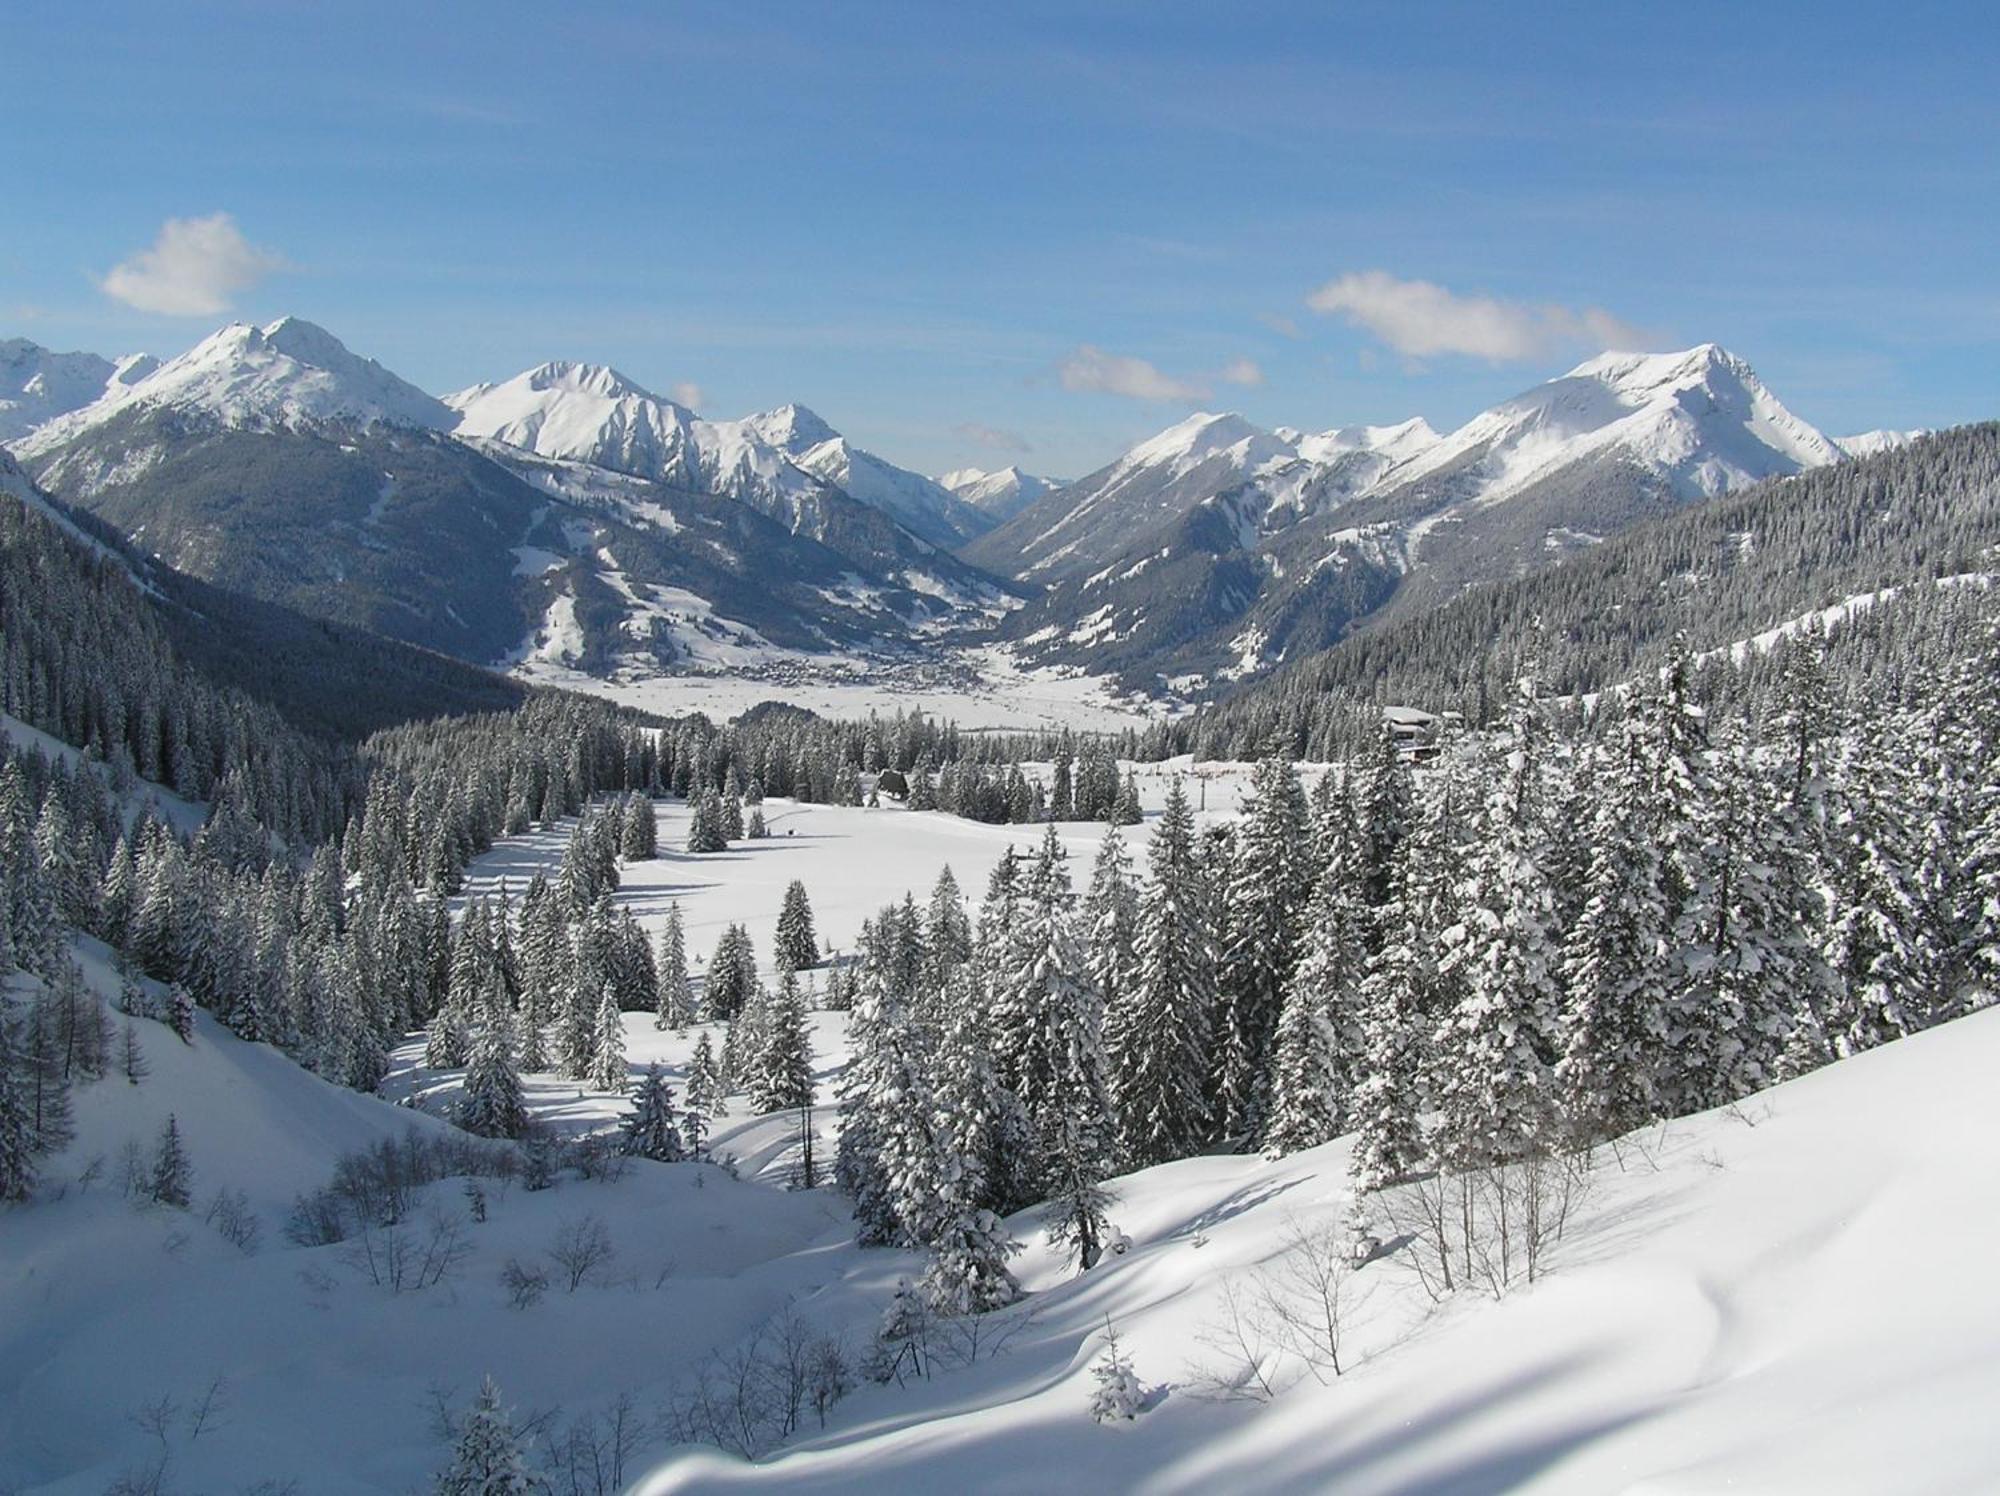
[567, 515]
[922, 505]
[579, 412]
[1700, 420]
[288, 375]
[37, 385]
[783, 461]
[1000, 494]
[1220, 548]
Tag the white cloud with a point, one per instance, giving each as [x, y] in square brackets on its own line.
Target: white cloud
[1419, 319]
[992, 436]
[196, 268]
[1241, 371]
[1091, 368]
[687, 393]
[1284, 327]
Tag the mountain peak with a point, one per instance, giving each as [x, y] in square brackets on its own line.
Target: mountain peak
[287, 373]
[792, 428]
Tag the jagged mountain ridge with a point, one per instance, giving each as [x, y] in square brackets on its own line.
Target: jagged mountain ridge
[1242, 548]
[276, 462]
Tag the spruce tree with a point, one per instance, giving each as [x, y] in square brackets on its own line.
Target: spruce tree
[1318, 1056]
[172, 1180]
[705, 1093]
[492, 1105]
[1158, 1033]
[651, 1129]
[1497, 1046]
[607, 1052]
[732, 975]
[1615, 966]
[797, 947]
[780, 1069]
[674, 1005]
[488, 1459]
[1269, 882]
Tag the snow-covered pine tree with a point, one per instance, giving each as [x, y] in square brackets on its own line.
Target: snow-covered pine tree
[1270, 881]
[171, 1182]
[674, 1003]
[607, 1050]
[797, 946]
[1616, 965]
[887, 1157]
[1117, 1395]
[492, 1105]
[639, 833]
[780, 1075]
[488, 1459]
[1158, 1034]
[947, 931]
[1319, 1050]
[705, 1095]
[732, 975]
[1496, 1048]
[1109, 921]
[651, 1129]
[968, 1242]
[705, 826]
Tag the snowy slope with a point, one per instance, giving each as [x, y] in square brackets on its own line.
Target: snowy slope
[1790, 1297]
[37, 385]
[287, 375]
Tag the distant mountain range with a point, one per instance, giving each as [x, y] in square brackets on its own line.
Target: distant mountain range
[1218, 549]
[569, 516]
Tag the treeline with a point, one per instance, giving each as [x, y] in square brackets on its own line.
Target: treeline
[1716, 572]
[1579, 922]
[83, 657]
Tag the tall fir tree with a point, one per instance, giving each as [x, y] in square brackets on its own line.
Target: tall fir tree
[1158, 1033]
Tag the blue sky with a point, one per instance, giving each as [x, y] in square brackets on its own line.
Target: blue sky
[1034, 233]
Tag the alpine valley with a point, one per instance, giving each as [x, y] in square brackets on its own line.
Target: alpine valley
[568, 524]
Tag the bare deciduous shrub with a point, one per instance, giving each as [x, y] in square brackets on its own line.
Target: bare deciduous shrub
[409, 1257]
[234, 1221]
[1489, 1228]
[755, 1396]
[525, 1285]
[1243, 1366]
[381, 1186]
[1312, 1296]
[581, 1249]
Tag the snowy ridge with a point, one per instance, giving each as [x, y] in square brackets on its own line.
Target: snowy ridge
[1000, 494]
[1699, 418]
[289, 374]
[925, 507]
[37, 385]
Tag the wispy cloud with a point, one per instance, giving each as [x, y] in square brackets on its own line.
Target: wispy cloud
[1284, 327]
[195, 268]
[1419, 319]
[992, 437]
[1241, 371]
[687, 393]
[1091, 368]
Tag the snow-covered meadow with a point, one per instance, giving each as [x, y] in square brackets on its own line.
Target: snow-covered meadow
[1788, 1295]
